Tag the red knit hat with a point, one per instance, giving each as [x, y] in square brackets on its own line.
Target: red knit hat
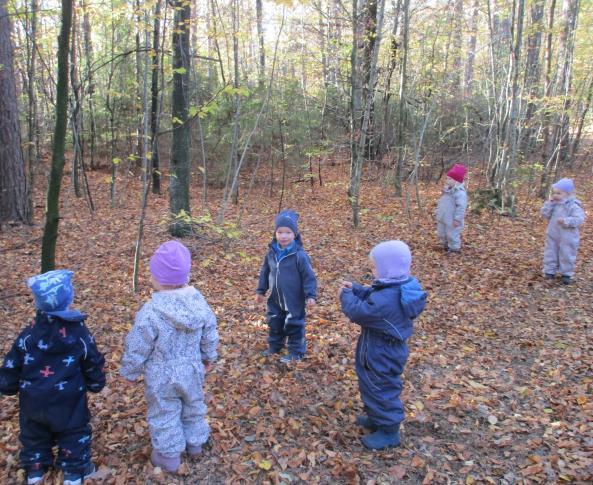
[457, 172]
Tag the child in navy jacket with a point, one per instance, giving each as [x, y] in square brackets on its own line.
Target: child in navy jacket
[385, 313]
[52, 365]
[287, 273]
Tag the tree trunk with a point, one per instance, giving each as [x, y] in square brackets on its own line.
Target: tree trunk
[88, 54]
[260, 37]
[154, 101]
[14, 201]
[558, 138]
[532, 68]
[363, 90]
[33, 149]
[471, 49]
[180, 151]
[581, 123]
[457, 46]
[75, 121]
[403, 81]
[52, 212]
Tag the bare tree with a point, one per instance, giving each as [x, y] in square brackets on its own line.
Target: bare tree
[52, 212]
[14, 200]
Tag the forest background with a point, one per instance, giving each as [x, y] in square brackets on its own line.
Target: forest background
[122, 122]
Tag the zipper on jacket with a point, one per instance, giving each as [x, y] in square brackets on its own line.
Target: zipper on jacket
[278, 261]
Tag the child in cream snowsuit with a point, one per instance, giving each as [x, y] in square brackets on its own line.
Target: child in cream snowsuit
[451, 209]
[173, 342]
[566, 215]
[385, 312]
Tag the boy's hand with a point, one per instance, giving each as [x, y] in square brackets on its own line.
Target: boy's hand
[259, 299]
[311, 303]
[561, 221]
[346, 285]
[456, 223]
[207, 366]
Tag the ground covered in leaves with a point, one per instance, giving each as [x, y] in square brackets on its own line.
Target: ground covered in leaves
[498, 388]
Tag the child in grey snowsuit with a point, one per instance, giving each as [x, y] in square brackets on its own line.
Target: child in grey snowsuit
[287, 273]
[173, 342]
[51, 366]
[566, 215]
[451, 209]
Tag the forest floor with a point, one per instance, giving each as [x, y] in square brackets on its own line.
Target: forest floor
[498, 387]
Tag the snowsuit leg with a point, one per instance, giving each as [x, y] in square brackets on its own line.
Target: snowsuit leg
[193, 413]
[276, 321]
[379, 364]
[164, 419]
[454, 237]
[37, 441]
[567, 256]
[74, 448]
[294, 329]
[442, 233]
[551, 256]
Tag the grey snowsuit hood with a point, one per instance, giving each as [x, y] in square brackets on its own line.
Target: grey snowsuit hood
[562, 240]
[451, 207]
[174, 333]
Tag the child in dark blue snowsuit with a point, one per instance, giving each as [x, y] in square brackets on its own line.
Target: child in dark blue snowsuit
[385, 313]
[52, 365]
[288, 274]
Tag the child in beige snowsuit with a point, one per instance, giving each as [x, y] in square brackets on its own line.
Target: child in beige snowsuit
[566, 215]
[451, 210]
[173, 342]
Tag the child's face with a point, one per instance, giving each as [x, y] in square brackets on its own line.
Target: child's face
[284, 236]
[449, 182]
[559, 195]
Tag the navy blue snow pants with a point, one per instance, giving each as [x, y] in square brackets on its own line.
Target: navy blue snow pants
[285, 328]
[380, 361]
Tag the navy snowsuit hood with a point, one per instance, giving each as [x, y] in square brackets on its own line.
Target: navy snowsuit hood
[388, 307]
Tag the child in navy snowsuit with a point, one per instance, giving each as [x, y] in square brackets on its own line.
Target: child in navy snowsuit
[287, 273]
[385, 313]
[52, 365]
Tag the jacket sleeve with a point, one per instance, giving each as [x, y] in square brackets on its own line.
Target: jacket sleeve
[547, 209]
[361, 291]
[210, 338]
[460, 205]
[263, 284]
[371, 313]
[576, 216]
[93, 363]
[308, 276]
[10, 372]
[139, 345]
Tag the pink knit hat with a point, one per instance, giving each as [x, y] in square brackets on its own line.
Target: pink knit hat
[171, 264]
[457, 173]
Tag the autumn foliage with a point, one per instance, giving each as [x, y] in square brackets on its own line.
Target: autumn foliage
[498, 388]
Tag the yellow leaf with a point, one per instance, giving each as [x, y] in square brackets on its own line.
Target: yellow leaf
[264, 465]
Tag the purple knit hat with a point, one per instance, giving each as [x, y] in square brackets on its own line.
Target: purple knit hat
[392, 259]
[565, 185]
[171, 263]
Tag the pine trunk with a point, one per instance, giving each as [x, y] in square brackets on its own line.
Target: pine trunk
[14, 203]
